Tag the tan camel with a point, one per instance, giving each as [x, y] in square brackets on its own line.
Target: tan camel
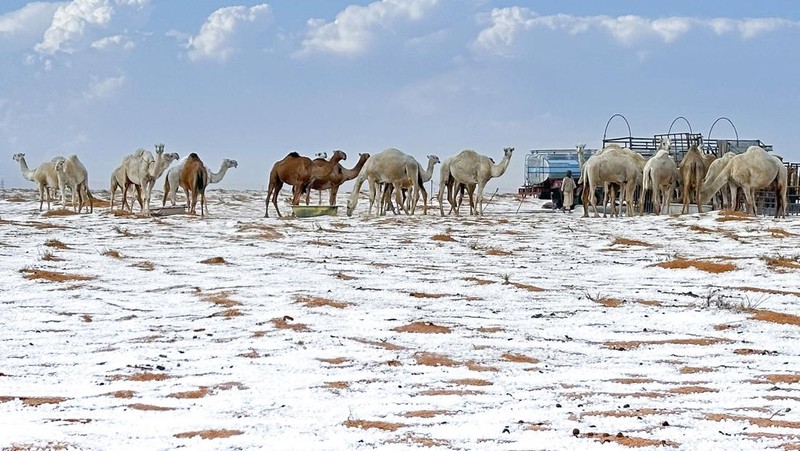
[612, 164]
[425, 175]
[118, 180]
[44, 176]
[173, 178]
[293, 170]
[389, 166]
[468, 167]
[337, 177]
[752, 170]
[323, 171]
[693, 171]
[194, 179]
[144, 171]
[72, 173]
[660, 174]
[714, 169]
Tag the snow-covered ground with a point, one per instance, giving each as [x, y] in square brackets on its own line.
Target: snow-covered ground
[522, 329]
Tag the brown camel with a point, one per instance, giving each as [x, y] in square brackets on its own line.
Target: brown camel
[294, 170]
[322, 171]
[194, 179]
[338, 177]
[693, 170]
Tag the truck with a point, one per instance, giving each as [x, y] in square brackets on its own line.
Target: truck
[546, 168]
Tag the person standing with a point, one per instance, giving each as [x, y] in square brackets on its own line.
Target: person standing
[568, 192]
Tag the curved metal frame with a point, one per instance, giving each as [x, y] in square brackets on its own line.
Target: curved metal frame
[715, 123]
[605, 132]
[676, 120]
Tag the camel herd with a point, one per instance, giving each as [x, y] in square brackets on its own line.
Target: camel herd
[140, 170]
[395, 174]
[700, 177]
[390, 172]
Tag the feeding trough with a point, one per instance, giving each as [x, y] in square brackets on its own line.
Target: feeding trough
[168, 210]
[308, 211]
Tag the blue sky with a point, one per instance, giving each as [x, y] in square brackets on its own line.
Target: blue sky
[253, 80]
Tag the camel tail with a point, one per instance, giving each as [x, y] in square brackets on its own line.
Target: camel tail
[646, 179]
[722, 178]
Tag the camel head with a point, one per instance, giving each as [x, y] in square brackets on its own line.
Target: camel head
[60, 165]
[664, 143]
[170, 157]
[434, 159]
[507, 151]
[159, 148]
[362, 157]
[230, 163]
[338, 155]
[18, 156]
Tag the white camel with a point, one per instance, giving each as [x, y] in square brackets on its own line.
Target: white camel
[44, 176]
[752, 170]
[425, 176]
[144, 171]
[612, 164]
[715, 169]
[389, 166]
[446, 184]
[693, 170]
[72, 173]
[660, 174]
[469, 167]
[173, 178]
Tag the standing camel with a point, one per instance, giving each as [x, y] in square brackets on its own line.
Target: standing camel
[425, 176]
[144, 171]
[323, 171]
[72, 173]
[612, 164]
[389, 166]
[714, 169]
[118, 180]
[660, 174]
[293, 170]
[337, 177]
[44, 176]
[752, 170]
[194, 179]
[173, 179]
[693, 171]
[468, 167]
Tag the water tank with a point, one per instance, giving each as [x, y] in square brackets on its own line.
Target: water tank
[550, 164]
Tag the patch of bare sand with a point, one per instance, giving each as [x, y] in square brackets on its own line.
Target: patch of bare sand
[471, 382]
[34, 401]
[426, 413]
[519, 358]
[774, 317]
[418, 294]
[365, 424]
[52, 276]
[768, 291]
[608, 302]
[334, 360]
[620, 241]
[201, 392]
[381, 344]
[140, 377]
[432, 359]
[629, 441]
[283, 323]
[315, 301]
[628, 345]
[682, 263]
[423, 328]
[213, 261]
[209, 434]
[530, 288]
[150, 407]
[474, 366]
[756, 421]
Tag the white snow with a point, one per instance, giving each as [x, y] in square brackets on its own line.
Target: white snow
[521, 367]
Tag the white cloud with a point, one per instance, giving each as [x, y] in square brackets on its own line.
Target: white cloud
[113, 41]
[354, 28]
[215, 40]
[104, 89]
[69, 24]
[33, 15]
[505, 24]
[137, 3]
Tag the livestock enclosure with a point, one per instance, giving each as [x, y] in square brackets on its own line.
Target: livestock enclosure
[235, 331]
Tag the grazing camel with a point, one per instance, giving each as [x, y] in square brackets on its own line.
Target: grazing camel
[714, 169]
[194, 179]
[323, 171]
[173, 178]
[660, 174]
[425, 175]
[468, 167]
[752, 170]
[293, 170]
[72, 173]
[389, 166]
[337, 177]
[144, 171]
[44, 176]
[693, 171]
[612, 164]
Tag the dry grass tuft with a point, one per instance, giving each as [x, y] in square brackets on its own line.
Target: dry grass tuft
[479, 281]
[335, 360]
[423, 328]
[702, 229]
[52, 276]
[782, 378]
[209, 434]
[417, 294]
[475, 366]
[629, 242]
[498, 252]
[442, 237]
[691, 389]
[490, 330]
[125, 394]
[339, 385]
[607, 302]
[34, 401]
[221, 299]
[780, 233]
[519, 358]
[343, 276]
[111, 253]
[756, 421]
[149, 407]
[263, 231]
[627, 345]
[283, 323]
[431, 359]
[51, 257]
[311, 302]
[58, 212]
[695, 369]
[140, 377]
[229, 313]
[682, 263]
[201, 392]
[425, 413]
[781, 263]
[530, 288]
[768, 290]
[471, 382]
[55, 244]
[144, 265]
[381, 344]
[630, 442]
[732, 215]
[449, 392]
[382, 425]
[213, 261]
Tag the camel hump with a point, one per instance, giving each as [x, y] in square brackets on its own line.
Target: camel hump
[293, 155]
[193, 156]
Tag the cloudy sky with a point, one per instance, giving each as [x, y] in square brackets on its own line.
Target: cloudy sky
[252, 81]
